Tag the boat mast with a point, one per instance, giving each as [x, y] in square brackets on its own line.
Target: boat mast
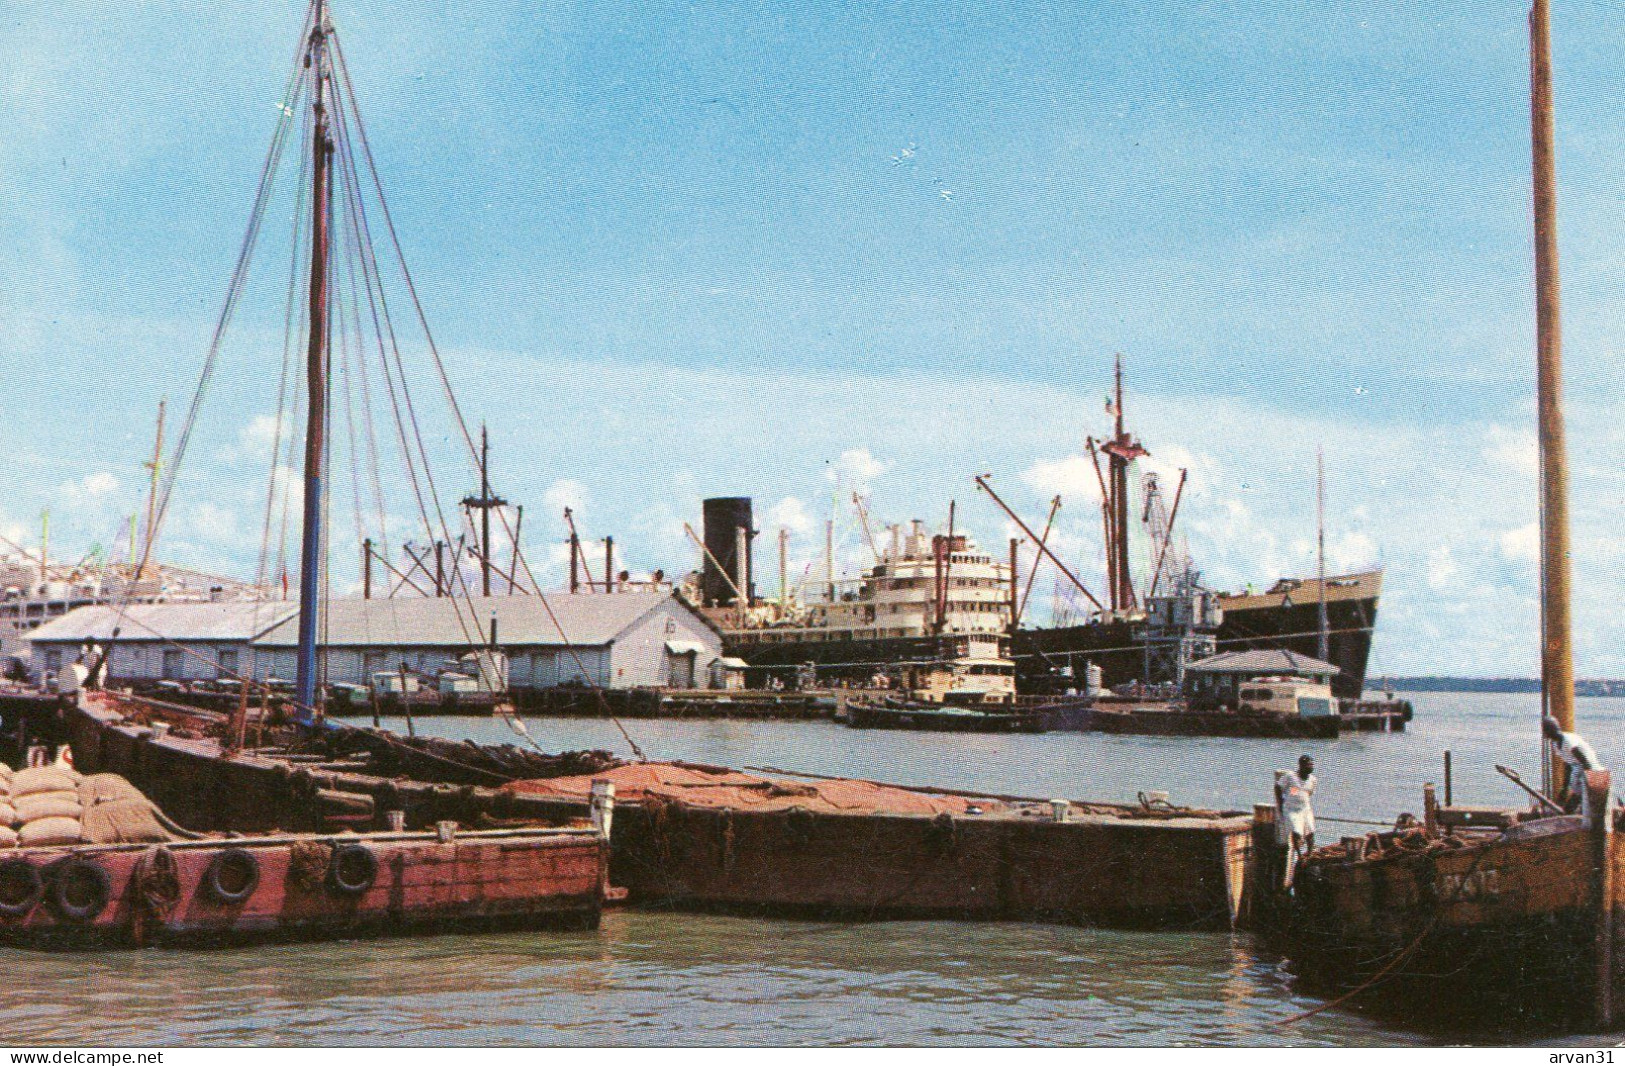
[484, 503]
[1324, 644]
[1557, 652]
[155, 466]
[310, 551]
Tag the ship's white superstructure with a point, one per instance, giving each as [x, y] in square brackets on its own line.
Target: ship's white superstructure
[32, 594]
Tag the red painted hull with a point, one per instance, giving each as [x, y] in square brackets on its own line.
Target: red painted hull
[477, 880]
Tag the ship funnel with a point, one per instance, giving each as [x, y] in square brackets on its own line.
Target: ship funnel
[725, 517]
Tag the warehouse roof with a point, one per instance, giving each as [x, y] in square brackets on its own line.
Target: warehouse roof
[232, 620]
[1258, 663]
[461, 622]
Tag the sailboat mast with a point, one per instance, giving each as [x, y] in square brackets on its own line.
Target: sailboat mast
[1557, 652]
[1324, 644]
[310, 552]
[155, 467]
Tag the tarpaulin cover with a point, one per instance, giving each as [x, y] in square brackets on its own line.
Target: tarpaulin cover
[697, 786]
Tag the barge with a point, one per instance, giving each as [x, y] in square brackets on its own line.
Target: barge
[937, 853]
[99, 866]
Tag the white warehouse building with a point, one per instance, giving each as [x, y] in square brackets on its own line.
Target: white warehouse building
[158, 641]
[620, 640]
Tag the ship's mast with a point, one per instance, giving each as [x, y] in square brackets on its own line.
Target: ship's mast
[1557, 652]
[310, 551]
[1324, 645]
[154, 467]
[485, 503]
[1120, 451]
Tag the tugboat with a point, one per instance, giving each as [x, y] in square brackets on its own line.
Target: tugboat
[1506, 915]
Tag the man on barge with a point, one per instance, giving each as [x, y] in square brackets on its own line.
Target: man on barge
[1294, 795]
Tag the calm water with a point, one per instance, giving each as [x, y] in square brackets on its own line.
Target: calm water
[663, 979]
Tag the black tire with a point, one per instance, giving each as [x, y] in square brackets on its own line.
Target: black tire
[352, 869]
[80, 890]
[21, 887]
[232, 876]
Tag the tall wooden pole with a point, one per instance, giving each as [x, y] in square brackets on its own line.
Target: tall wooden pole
[1323, 645]
[155, 468]
[1557, 651]
[485, 513]
[310, 552]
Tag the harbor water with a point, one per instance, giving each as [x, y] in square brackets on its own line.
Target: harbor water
[671, 979]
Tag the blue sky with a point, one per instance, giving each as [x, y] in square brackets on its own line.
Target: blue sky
[681, 250]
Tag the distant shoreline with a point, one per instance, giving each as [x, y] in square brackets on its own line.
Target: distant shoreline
[1582, 687]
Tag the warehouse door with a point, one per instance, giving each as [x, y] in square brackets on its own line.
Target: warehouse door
[681, 668]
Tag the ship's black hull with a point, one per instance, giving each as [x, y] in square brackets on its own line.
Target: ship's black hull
[1039, 653]
[1295, 627]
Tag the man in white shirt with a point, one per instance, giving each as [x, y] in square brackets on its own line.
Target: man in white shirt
[1294, 793]
[1577, 755]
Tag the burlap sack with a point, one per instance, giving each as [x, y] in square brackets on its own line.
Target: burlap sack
[43, 779]
[50, 831]
[37, 805]
[103, 788]
[124, 821]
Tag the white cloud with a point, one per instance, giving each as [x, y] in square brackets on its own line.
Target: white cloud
[1442, 570]
[1521, 545]
[100, 484]
[1070, 477]
[565, 492]
[790, 513]
[856, 469]
[1514, 450]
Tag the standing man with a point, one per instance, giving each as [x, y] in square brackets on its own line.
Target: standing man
[1577, 755]
[1295, 813]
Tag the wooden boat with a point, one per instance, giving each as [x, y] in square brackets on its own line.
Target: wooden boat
[1174, 720]
[894, 713]
[1129, 717]
[102, 867]
[1508, 921]
[1501, 915]
[301, 887]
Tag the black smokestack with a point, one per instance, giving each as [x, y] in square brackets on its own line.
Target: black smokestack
[724, 517]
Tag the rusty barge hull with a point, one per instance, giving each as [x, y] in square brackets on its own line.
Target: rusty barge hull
[1505, 931]
[1180, 872]
[549, 879]
[1098, 872]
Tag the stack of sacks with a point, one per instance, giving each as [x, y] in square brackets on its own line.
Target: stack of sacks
[54, 805]
[8, 813]
[44, 806]
[115, 812]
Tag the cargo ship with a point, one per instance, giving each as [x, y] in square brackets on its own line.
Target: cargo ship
[929, 598]
[1285, 616]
